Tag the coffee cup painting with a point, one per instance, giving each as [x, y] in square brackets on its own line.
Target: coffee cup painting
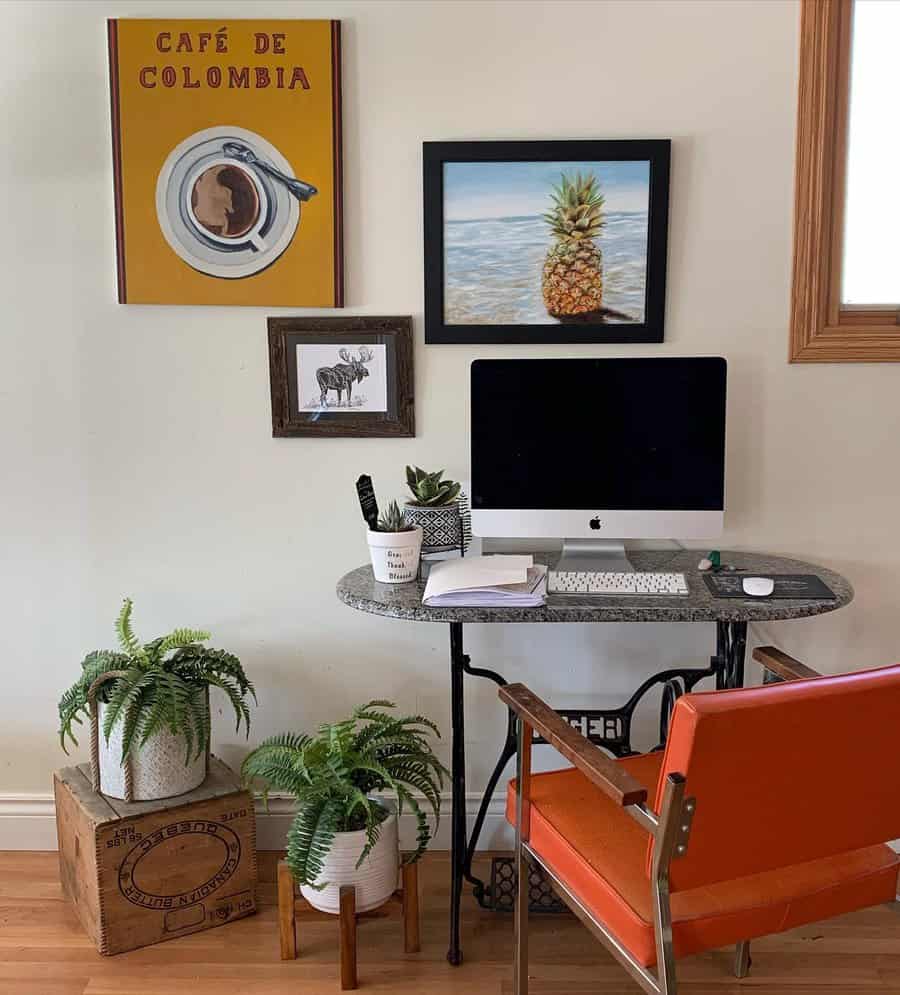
[545, 242]
[227, 161]
[228, 202]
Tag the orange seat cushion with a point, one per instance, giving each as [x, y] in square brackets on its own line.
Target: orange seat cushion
[600, 853]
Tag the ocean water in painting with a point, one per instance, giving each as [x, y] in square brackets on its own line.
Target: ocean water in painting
[495, 240]
[493, 269]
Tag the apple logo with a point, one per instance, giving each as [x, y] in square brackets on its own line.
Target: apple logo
[595, 523]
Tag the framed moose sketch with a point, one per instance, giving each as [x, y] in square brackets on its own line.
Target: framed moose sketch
[341, 376]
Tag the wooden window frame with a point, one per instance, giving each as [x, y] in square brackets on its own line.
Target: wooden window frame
[823, 330]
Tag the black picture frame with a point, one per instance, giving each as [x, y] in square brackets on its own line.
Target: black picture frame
[290, 420]
[655, 151]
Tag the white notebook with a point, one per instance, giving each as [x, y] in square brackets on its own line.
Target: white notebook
[497, 581]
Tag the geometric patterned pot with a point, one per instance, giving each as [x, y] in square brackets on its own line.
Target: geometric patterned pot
[441, 526]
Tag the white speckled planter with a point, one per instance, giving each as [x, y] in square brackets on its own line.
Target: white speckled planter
[375, 881]
[158, 768]
[395, 555]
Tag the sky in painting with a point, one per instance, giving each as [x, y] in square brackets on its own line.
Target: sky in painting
[474, 190]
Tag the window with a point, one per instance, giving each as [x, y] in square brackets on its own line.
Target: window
[846, 282]
[871, 264]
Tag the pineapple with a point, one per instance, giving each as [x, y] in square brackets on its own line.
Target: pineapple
[572, 281]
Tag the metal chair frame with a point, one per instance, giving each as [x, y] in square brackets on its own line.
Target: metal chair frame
[670, 830]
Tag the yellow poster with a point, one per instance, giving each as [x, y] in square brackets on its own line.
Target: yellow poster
[227, 161]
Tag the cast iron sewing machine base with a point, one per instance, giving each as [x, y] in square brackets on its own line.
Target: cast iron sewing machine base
[609, 728]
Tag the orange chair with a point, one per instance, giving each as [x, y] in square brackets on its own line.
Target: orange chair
[768, 809]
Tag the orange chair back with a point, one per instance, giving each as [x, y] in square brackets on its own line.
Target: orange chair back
[786, 773]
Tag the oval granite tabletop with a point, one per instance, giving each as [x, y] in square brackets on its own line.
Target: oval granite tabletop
[360, 590]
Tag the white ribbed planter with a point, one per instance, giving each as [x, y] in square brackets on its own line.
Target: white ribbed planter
[158, 768]
[395, 555]
[375, 881]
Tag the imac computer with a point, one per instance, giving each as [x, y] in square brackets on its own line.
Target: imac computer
[596, 451]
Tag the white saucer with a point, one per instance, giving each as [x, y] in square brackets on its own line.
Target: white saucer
[242, 258]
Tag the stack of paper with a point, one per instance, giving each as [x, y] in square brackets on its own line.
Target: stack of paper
[486, 582]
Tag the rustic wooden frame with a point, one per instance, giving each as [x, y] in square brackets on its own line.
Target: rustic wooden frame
[397, 422]
[822, 329]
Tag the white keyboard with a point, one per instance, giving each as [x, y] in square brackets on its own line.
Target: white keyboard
[617, 583]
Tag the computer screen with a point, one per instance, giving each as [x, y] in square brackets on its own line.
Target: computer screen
[641, 435]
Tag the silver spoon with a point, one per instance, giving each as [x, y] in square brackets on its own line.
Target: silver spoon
[237, 150]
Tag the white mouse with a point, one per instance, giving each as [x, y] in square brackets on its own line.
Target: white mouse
[759, 587]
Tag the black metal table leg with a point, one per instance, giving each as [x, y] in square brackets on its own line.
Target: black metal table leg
[507, 751]
[462, 845]
[614, 734]
[458, 787]
[481, 891]
[731, 647]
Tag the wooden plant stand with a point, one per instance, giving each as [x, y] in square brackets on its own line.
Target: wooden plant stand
[289, 904]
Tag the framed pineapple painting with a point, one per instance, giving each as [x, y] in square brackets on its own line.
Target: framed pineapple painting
[545, 242]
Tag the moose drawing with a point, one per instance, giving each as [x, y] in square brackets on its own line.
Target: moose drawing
[340, 377]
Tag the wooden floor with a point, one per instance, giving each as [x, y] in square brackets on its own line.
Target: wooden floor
[44, 952]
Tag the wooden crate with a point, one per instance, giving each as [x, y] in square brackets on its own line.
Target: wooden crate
[142, 872]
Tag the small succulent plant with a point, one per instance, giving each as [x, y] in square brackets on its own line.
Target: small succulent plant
[429, 490]
[391, 519]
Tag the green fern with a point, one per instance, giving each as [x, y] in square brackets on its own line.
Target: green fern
[334, 774]
[128, 641]
[163, 687]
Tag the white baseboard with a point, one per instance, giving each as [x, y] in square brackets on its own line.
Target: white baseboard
[28, 822]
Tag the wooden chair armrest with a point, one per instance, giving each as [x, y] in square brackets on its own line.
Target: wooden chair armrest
[609, 776]
[782, 665]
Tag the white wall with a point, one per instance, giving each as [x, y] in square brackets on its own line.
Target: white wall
[137, 455]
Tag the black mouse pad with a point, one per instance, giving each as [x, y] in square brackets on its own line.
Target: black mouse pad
[729, 585]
